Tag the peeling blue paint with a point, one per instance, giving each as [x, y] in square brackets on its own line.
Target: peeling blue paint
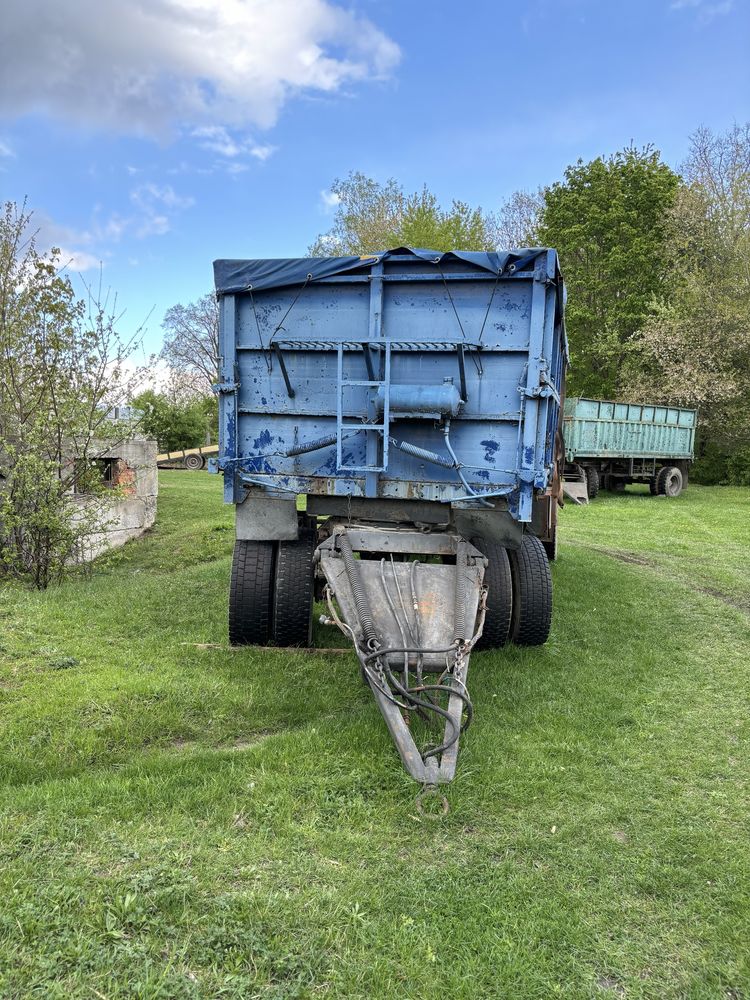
[483, 473]
[264, 401]
[264, 441]
[528, 455]
[490, 449]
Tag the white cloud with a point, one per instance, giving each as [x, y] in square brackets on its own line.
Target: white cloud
[154, 66]
[707, 10]
[221, 141]
[5, 151]
[148, 195]
[78, 260]
[261, 152]
[329, 200]
[70, 243]
[154, 203]
[218, 140]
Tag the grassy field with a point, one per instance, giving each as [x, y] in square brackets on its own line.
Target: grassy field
[187, 822]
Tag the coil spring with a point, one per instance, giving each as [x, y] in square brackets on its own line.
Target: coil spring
[302, 449]
[459, 614]
[360, 599]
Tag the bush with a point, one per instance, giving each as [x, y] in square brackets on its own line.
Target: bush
[738, 468]
[718, 466]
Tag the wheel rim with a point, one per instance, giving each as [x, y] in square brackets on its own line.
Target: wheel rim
[673, 484]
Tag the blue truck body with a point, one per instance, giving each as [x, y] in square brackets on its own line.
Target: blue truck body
[413, 398]
[370, 354]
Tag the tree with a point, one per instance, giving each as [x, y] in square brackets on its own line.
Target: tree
[695, 347]
[371, 217]
[191, 342]
[608, 221]
[62, 368]
[175, 423]
[517, 222]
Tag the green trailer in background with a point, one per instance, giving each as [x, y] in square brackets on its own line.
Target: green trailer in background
[609, 444]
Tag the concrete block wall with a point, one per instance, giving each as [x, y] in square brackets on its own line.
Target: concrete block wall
[133, 511]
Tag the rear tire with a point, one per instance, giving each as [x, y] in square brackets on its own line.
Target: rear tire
[293, 592]
[531, 619]
[194, 462]
[497, 578]
[652, 487]
[669, 481]
[250, 591]
[592, 481]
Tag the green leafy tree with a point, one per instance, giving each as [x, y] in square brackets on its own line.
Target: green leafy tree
[175, 423]
[63, 365]
[371, 217]
[695, 346]
[608, 221]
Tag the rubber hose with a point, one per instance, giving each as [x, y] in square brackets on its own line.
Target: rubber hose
[416, 452]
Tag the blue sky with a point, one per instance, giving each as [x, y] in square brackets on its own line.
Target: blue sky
[156, 135]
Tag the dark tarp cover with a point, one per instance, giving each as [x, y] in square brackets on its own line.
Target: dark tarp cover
[232, 276]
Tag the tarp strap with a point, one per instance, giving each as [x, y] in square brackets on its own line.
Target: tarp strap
[475, 358]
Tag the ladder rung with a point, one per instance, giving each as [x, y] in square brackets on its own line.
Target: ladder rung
[360, 382]
[362, 427]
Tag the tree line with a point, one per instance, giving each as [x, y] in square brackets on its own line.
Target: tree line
[656, 263]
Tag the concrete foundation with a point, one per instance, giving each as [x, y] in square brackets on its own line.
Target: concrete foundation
[130, 468]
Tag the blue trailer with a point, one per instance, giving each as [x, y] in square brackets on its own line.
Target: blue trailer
[412, 398]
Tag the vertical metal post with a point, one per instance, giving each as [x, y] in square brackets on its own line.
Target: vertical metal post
[339, 405]
[546, 402]
[531, 408]
[228, 399]
[375, 330]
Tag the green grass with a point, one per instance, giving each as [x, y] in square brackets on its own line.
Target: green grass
[181, 822]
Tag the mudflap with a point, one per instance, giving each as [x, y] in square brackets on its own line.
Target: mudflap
[410, 617]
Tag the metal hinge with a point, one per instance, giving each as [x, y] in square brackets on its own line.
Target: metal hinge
[220, 388]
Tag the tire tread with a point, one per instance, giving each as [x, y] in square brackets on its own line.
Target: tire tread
[293, 592]
[496, 632]
[250, 593]
[532, 593]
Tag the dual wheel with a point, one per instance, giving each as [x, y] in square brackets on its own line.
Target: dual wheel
[519, 599]
[271, 592]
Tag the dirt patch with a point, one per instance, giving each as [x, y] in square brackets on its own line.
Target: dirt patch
[245, 743]
[241, 743]
[611, 984]
[620, 836]
[734, 602]
[181, 744]
[621, 554]
[737, 603]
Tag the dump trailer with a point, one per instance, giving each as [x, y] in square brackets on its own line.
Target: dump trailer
[609, 444]
[412, 399]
